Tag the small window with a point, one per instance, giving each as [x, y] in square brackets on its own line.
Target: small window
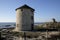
[32, 25]
[21, 9]
[31, 10]
[17, 25]
[32, 17]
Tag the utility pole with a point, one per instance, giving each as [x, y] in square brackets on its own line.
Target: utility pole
[24, 36]
[46, 34]
[0, 36]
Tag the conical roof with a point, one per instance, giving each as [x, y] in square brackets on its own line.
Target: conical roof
[25, 6]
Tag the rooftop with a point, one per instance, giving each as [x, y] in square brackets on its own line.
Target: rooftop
[25, 6]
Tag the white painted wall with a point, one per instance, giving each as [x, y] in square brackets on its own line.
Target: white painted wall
[23, 19]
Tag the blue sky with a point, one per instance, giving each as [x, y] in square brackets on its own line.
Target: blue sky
[45, 10]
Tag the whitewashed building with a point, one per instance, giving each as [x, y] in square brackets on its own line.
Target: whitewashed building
[24, 18]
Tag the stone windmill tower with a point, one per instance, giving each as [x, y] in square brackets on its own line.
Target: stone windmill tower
[24, 18]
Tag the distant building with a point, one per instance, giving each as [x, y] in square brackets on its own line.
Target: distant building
[24, 18]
